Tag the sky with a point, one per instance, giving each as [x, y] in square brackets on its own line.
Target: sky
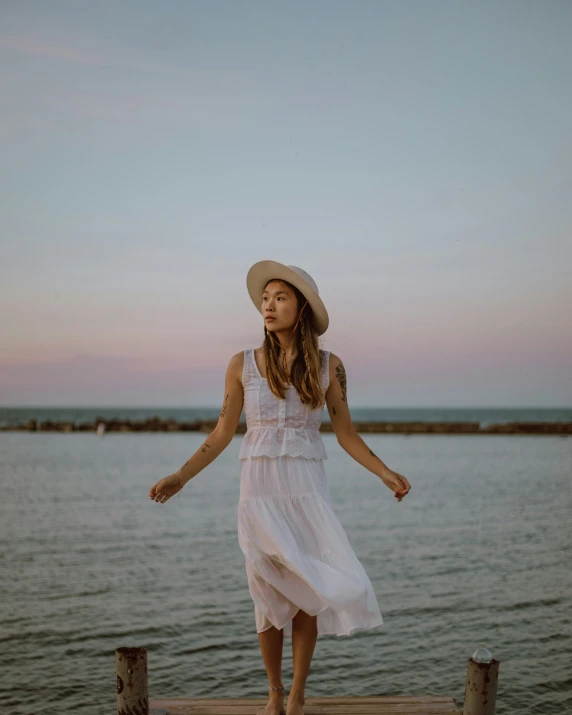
[413, 157]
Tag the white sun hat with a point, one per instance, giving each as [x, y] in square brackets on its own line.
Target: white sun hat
[260, 273]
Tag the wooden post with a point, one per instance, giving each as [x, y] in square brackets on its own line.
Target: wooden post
[131, 666]
[481, 687]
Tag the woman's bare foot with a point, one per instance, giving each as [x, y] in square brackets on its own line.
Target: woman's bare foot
[275, 704]
[295, 704]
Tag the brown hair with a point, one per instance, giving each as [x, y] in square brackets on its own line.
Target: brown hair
[306, 368]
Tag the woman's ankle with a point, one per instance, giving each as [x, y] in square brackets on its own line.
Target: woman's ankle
[297, 695]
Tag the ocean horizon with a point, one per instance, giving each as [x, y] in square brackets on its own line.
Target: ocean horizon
[11, 416]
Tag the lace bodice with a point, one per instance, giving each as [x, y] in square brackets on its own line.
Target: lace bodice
[276, 427]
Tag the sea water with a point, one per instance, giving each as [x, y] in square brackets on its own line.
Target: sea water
[478, 552]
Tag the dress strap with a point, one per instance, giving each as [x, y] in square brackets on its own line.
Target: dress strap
[326, 369]
[249, 371]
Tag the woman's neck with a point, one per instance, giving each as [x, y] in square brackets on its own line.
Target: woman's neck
[287, 345]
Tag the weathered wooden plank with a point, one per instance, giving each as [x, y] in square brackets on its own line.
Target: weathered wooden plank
[385, 705]
[361, 709]
[309, 710]
[326, 699]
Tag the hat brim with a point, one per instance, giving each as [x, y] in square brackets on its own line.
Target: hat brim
[263, 271]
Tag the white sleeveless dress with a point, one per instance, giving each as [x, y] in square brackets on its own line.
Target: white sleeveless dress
[296, 551]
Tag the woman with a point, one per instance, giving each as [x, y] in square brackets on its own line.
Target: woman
[304, 577]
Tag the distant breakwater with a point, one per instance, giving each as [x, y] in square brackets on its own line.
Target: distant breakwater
[102, 425]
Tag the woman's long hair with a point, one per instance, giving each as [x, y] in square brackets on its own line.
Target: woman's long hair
[306, 368]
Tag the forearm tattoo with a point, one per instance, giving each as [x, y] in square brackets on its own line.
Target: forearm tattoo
[204, 448]
[222, 412]
[373, 454]
[333, 410]
[341, 375]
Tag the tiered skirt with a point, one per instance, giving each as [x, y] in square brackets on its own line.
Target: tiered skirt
[296, 551]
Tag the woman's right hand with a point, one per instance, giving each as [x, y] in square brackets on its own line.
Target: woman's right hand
[165, 488]
[397, 483]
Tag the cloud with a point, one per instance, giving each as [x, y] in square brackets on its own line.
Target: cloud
[137, 87]
[40, 48]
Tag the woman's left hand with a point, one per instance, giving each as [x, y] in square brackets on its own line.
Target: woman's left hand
[398, 484]
[165, 488]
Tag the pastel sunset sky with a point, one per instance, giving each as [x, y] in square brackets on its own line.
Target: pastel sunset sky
[414, 157]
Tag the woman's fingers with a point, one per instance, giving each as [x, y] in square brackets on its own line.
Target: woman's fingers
[401, 487]
[164, 489]
[161, 492]
[156, 490]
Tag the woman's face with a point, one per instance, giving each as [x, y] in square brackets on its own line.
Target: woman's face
[280, 303]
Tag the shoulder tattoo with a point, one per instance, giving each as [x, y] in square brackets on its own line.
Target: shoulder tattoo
[341, 375]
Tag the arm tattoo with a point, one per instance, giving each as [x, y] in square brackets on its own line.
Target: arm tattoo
[333, 410]
[341, 375]
[203, 449]
[373, 454]
[222, 413]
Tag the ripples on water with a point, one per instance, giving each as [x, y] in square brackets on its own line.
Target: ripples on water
[478, 551]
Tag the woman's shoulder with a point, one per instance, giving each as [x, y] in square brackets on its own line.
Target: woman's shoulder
[236, 364]
[336, 365]
[333, 356]
[238, 358]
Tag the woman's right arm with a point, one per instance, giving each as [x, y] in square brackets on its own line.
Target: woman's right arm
[216, 442]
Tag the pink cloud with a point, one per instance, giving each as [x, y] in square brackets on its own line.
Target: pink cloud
[39, 48]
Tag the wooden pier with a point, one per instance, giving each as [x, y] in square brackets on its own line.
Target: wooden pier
[480, 695]
[381, 705]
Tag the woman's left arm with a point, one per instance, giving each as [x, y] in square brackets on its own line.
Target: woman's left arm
[349, 439]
